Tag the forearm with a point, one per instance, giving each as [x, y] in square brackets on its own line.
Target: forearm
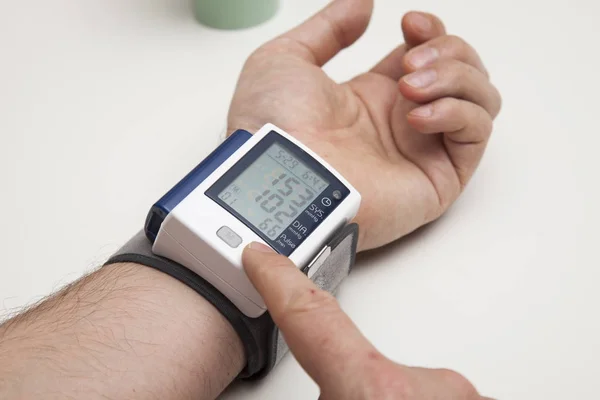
[125, 331]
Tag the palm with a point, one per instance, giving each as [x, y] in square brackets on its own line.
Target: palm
[406, 175]
[353, 126]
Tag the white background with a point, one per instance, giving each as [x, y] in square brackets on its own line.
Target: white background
[105, 104]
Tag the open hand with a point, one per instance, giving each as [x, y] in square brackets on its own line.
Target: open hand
[408, 134]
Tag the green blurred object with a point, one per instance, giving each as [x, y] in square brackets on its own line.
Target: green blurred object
[234, 14]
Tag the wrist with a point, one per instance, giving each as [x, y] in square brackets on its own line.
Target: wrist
[253, 124]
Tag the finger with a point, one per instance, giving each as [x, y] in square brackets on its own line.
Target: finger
[443, 47]
[466, 128]
[320, 335]
[464, 121]
[324, 34]
[451, 78]
[417, 28]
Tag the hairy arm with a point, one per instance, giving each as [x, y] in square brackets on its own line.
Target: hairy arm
[123, 332]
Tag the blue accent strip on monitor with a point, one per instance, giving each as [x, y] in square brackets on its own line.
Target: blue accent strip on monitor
[167, 203]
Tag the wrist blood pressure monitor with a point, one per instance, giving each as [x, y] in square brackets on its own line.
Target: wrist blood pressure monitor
[269, 188]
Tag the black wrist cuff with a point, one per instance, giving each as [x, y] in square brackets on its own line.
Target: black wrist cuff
[263, 344]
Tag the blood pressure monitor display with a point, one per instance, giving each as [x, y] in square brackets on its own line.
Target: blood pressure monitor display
[279, 191]
[273, 190]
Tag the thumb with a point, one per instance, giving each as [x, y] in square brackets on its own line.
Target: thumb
[320, 335]
[329, 31]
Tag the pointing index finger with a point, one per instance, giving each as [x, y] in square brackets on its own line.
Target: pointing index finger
[320, 335]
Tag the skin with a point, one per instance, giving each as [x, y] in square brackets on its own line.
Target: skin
[372, 125]
[127, 331]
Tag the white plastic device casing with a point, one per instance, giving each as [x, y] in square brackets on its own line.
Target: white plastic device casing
[188, 235]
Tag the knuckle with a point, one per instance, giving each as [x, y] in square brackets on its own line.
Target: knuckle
[447, 65]
[452, 70]
[340, 30]
[458, 44]
[497, 102]
[335, 29]
[462, 50]
[453, 75]
[474, 118]
[461, 385]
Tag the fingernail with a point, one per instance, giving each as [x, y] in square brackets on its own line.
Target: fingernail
[421, 22]
[263, 248]
[421, 79]
[423, 56]
[423, 111]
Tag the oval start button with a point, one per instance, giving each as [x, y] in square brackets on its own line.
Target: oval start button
[229, 236]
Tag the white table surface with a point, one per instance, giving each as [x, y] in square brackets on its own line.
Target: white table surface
[105, 104]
